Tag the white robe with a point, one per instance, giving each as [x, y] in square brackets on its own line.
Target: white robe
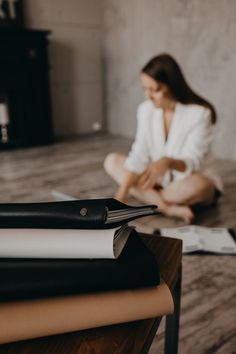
[189, 139]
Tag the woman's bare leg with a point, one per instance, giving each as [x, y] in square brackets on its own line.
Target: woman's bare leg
[194, 189]
[151, 196]
[114, 166]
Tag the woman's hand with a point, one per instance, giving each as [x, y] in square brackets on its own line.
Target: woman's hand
[154, 173]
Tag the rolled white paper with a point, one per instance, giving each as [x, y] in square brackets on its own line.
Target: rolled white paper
[62, 243]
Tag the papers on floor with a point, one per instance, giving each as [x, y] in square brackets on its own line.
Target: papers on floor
[59, 196]
[200, 238]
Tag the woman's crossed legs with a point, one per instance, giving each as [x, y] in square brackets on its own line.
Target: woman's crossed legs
[175, 199]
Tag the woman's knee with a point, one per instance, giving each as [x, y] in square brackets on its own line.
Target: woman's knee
[205, 189]
[201, 183]
[114, 163]
[109, 162]
[176, 192]
[192, 189]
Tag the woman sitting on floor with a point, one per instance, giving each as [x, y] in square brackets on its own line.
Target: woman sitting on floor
[174, 135]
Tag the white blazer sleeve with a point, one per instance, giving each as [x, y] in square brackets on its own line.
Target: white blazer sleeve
[139, 156]
[197, 144]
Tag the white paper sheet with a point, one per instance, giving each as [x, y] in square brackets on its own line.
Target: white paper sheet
[59, 196]
[200, 238]
[55, 243]
[216, 240]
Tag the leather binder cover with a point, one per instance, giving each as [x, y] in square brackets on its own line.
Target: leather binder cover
[30, 278]
[37, 318]
[74, 214]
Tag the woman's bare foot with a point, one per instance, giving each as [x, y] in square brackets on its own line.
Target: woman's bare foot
[180, 211]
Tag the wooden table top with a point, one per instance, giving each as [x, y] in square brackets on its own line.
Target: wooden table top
[130, 338]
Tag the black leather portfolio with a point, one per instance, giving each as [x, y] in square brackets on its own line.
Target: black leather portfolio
[74, 214]
[33, 278]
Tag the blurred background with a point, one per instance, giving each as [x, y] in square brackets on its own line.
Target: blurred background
[97, 48]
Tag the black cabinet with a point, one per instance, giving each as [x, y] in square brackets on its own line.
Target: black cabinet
[25, 107]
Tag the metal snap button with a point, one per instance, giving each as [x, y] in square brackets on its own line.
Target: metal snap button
[83, 211]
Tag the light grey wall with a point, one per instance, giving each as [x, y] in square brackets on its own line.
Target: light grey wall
[201, 35]
[75, 56]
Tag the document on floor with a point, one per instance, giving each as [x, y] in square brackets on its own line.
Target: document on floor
[203, 239]
[59, 196]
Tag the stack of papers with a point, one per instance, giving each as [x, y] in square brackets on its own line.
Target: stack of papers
[205, 239]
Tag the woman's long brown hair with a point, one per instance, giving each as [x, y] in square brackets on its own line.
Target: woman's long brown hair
[165, 69]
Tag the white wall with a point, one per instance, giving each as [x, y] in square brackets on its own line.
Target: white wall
[76, 60]
[97, 42]
[199, 34]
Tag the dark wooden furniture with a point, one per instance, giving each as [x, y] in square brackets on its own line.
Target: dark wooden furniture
[24, 88]
[11, 13]
[128, 338]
